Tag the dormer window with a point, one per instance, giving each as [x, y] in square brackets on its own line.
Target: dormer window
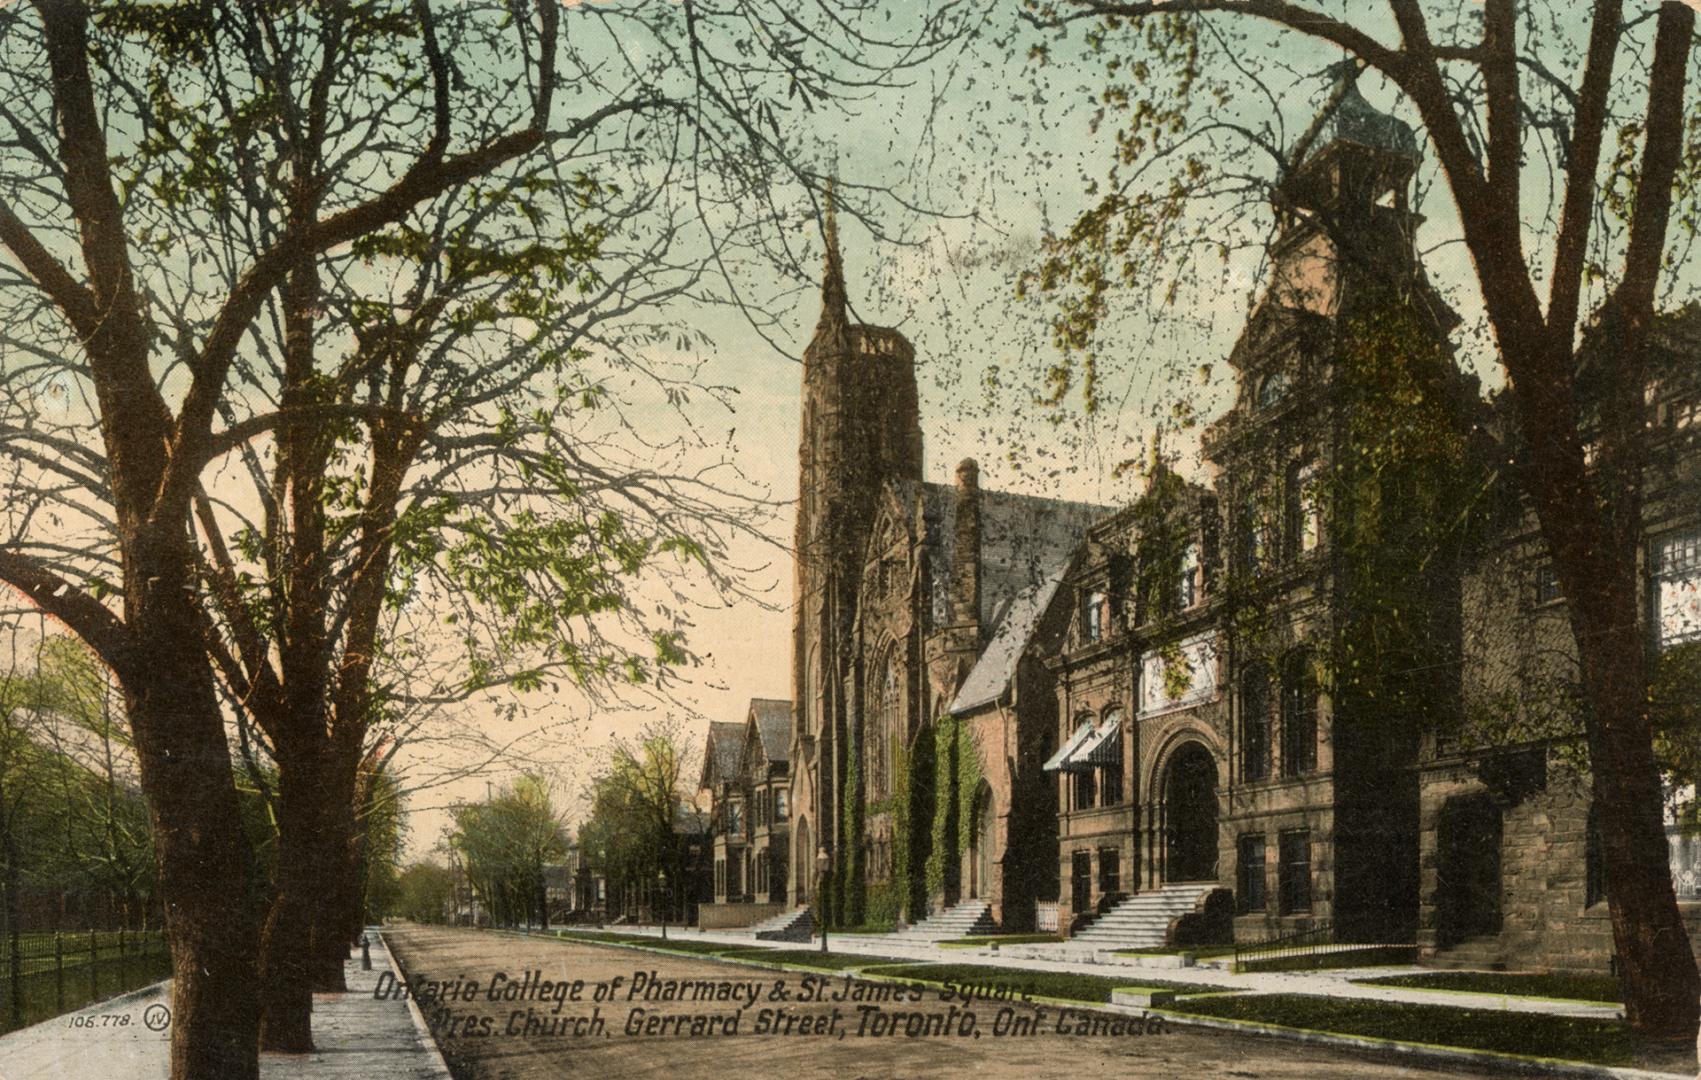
[1272, 389]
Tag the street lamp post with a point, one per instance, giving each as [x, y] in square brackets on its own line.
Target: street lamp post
[821, 864]
[661, 889]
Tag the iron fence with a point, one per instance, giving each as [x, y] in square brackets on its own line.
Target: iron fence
[1297, 949]
[47, 973]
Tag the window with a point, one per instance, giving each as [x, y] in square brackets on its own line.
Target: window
[884, 718]
[1249, 873]
[1106, 757]
[720, 877]
[1255, 724]
[1547, 584]
[1110, 870]
[1299, 714]
[1594, 864]
[1677, 588]
[781, 810]
[1189, 585]
[735, 818]
[760, 881]
[1686, 413]
[1273, 389]
[1093, 616]
[1294, 873]
[1084, 790]
[1255, 532]
[1303, 511]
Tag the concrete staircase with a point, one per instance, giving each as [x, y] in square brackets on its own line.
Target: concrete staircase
[798, 924]
[1143, 920]
[967, 919]
[1472, 954]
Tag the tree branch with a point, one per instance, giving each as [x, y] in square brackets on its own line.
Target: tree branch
[1582, 163]
[85, 616]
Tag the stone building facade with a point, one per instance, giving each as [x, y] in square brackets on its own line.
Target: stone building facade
[901, 585]
[1236, 692]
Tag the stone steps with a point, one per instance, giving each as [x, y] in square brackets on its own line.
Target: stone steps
[1474, 954]
[798, 924]
[970, 918]
[1143, 920]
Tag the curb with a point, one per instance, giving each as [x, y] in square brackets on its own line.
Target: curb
[435, 1054]
[1404, 1051]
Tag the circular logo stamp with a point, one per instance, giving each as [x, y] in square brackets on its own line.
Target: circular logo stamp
[157, 1017]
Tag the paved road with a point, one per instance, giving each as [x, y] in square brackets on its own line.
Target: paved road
[573, 1049]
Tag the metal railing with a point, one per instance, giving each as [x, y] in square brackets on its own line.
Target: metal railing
[1045, 916]
[47, 973]
[1297, 949]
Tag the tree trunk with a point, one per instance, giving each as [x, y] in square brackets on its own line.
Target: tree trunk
[205, 864]
[1656, 960]
[285, 970]
[337, 917]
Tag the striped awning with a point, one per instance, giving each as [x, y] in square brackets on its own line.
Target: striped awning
[1064, 758]
[1105, 747]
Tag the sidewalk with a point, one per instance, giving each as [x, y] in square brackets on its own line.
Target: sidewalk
[1331, 982]
[357, 1038]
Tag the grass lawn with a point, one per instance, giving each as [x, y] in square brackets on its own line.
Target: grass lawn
[1522, 984]
[599, 937]
[699, 948]
[1000, 939]
[1601, 1042]
[1065, 985]
[809, 958]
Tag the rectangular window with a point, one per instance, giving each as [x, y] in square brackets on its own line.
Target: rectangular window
[1547, 584]
[1295, 871]
[1080, 881]
[1305, 513]
[781, 810]
[1255, 536]
[1092, 616]
[1110, 870]
[1188, 586]
[1110, 784]
[1677, 588]
[1249, 873]
[1084, 790]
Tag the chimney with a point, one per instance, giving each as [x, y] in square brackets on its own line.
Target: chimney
[965, 568]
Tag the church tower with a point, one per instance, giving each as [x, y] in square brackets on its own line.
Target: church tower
[1348, 601]
[861, 428]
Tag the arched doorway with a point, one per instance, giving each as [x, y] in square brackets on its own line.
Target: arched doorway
[980, 858]
[803, 859]
[1190, 815]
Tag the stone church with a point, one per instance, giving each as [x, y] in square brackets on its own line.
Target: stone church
[1230, 710]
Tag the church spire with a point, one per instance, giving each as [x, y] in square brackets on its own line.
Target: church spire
[833, 275]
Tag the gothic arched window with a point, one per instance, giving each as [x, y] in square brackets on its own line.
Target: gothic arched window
[885, 717]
